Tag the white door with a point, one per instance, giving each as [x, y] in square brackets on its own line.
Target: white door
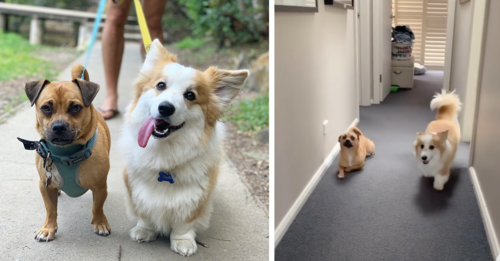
[382, 30]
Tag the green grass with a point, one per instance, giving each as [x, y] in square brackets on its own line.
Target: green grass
[17, 60]
[251, 115]
[190, 43]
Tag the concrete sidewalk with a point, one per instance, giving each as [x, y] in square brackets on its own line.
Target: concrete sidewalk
[239, 228]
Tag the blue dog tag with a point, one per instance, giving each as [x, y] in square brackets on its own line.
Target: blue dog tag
[162, 176]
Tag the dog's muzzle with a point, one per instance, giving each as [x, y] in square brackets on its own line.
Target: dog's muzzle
[60, 133]
[347, 144]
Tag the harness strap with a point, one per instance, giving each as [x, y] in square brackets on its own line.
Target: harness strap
[80, 155]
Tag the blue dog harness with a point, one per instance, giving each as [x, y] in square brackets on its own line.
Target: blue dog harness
[67, 160]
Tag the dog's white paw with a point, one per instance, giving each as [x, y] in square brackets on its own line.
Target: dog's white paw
[140, 234]
[46, 234]
[438, 185]
[439, 182]
[184, 246]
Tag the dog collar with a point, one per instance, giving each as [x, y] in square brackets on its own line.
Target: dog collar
[67, 160]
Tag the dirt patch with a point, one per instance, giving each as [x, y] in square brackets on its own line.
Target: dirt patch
[12, 91]
[248, 157]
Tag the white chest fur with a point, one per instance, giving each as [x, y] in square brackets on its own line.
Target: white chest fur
[165, 203]
[349, 159]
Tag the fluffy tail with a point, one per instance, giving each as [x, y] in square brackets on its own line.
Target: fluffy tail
[77, 71]
[449, 105]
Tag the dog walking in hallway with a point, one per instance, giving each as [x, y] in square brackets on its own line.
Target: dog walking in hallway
[435, 149]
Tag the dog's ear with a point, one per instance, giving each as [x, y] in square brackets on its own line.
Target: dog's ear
[443, 136]
[340, 138]
[88, 89]
[33, 89]
[419, 134]
[156, 52]
[227, 83]
[357, 131]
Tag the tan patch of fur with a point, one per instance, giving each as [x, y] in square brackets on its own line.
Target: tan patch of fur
[76, 72]
[207, 192]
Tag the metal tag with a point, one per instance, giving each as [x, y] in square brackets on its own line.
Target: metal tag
[49, 178]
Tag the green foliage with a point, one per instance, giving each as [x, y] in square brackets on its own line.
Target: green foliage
[226, 21]
[250, 115]
[17, 58]
[190, 43]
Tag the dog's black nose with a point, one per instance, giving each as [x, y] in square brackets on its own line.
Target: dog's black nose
[424, 157]
[166, 109]
[59, 128]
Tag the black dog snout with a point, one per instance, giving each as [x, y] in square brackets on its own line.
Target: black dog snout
[59, 128]
[166, 109]
[424, 157]
[348, 143]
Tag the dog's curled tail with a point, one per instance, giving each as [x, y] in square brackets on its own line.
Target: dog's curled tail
[448, 105]
[76, 72]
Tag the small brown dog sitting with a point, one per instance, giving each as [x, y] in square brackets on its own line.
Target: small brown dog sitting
[354, 148]
[73, 153]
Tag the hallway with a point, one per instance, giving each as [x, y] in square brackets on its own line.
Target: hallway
[389, 211]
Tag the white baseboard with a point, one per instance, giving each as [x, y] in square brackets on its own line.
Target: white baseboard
[294, 210]
[488, 224]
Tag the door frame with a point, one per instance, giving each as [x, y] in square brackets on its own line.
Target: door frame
[474, 80]
[364, 50]
[450, 30]
[377, 46]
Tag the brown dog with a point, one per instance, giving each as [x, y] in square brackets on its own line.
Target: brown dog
[354, 148]
[68, 123]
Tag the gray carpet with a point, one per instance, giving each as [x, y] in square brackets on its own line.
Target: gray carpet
[388, 211]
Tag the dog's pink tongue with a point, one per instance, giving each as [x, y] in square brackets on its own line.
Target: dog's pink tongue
[146, 131]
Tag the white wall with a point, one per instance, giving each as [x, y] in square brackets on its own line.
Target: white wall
[314, 81]
[473, 75]
[460, 54]
[486, 144]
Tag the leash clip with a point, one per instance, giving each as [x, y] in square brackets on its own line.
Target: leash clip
[48, 169]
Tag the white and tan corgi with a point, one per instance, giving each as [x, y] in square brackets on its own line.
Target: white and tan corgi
[436, 148]
[172, 146]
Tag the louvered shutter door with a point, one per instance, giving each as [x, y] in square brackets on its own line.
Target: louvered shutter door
[427, 19]
[435, 33]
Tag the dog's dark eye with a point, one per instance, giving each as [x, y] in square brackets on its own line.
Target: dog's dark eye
[46, 109]
[431, 147]
[75, 109]
[422, 146]
[189, 96]
[353, 138]
[161, 86]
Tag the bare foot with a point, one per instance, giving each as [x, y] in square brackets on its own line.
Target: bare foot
[108, 106]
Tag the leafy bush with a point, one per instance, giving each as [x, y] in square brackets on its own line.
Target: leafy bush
[250, 115]
[229, 22]
[190, 43]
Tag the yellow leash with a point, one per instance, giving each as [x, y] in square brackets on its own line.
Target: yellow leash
[146, 38]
